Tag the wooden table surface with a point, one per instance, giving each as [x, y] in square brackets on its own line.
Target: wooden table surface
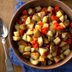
[7, 8]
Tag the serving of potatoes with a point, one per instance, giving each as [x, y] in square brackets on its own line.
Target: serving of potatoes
[43, 35]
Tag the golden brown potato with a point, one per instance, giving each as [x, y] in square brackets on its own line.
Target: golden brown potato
[42, 58]
[57, 59]
[35, 55]
[34, 62]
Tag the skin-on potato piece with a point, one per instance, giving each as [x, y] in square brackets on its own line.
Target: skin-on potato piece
[61, 18]
[49, 56]
[50, 33]
[16, 38]
[33, 49]
[65, 17]
[35, 55]
[67, 52]
[17, 27]
[26, 54]
[23, 26]
[16, 33]
[65, 47]
[62, 56]
[30, 26]
[45, 19]
[38, 8]
[24, 37]
[62, 24]
[62, 44]
[37, 27]
[51, 28]
[29, 32]
[50, 38]
[57, 59]
[59, 14]
[40, 41]
[36, 33]
[49, 8]
[36, 17]
[45, 25]
[52, 48]
[28, 20]
[49, 62]
[27, 48]
[54, 54]
[42, 51]
[29, 39]
[43, 63]
[34, 62]
[30, 11]
[64, 35]
[41, 14]
[46, 41]
[42, 58]
[22, 42]
[56, 40]
[21, 48]
[66, 23]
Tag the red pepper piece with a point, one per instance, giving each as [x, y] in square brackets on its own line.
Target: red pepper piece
[46, 53]
[25, 12]
[58, 51]
[21, 32]
[31, 17]
[71, 24]
[44, 30]
[47, 46]
[35, 45]
[53, 17]
[70, 36]
[56, 8]
[19, 21]
[40, 23]
[59, 28]
[51, 12]
[56, 25]
[34, 41]
[69, 41]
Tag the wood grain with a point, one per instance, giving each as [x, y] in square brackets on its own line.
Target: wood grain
[7, 8]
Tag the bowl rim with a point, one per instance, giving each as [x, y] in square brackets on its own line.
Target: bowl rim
[41, 67]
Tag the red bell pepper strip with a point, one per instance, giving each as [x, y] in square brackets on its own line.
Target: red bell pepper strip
[57, 26]
[71, 24]
[53, 17]
[46, 53]
[69, 41]
[35, 45]
[25, 12]
[56, 8]
[21, 32]
[40, 23]
[44, 30]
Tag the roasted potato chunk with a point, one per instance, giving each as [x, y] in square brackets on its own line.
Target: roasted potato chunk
[34, 62]
[35, 55]
[57, 40]
[67, 52]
